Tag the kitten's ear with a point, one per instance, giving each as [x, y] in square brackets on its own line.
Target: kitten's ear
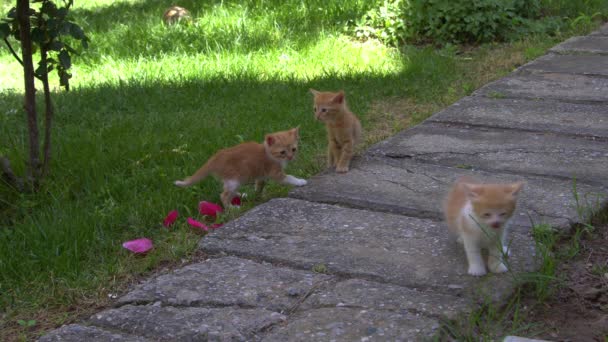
[314, 92]
[269, 140]
[339, 98]
[296, 132]
[472, 191]
[514, 188]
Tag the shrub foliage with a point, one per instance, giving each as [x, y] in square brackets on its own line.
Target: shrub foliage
[468, 21]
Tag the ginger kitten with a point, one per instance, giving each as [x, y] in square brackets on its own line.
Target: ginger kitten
[251, 162]
[343, 128]
[479, 214]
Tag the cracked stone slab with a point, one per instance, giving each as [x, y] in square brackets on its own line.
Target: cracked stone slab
[547, 116]
[188, 324]
[227, 281]
[499, 150]
[583, 44]
[364, 294]
[555, 86]
[405, 187]
[347, 324]
[603, 31]
[80, 333]
[377, 246]
[594, 65]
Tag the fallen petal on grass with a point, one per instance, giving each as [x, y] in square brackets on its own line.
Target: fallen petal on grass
[236, 201]
[138, 246]
[171, 217]
[196, 224]
[209, 209]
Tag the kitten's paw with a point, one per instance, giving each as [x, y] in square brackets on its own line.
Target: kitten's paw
[342, 169]
[181, 184]
[498, 267]
[477, 270]
[300, 182]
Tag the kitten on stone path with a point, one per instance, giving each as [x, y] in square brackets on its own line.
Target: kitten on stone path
[479, 214]
[251, 162]
[343, 128]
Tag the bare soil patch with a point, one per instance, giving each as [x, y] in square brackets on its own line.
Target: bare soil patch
[579, 309]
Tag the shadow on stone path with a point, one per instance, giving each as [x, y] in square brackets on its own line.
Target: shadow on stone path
[392, 273]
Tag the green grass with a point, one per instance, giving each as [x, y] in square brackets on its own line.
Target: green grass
[149, 104]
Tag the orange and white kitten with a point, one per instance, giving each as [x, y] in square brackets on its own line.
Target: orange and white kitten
[479, 215]
[251, 162]
[343, 128]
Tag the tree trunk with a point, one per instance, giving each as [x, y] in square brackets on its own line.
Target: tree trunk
[48, 114]
[23, 7]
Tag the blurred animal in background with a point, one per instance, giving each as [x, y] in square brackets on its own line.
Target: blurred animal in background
[175, 14]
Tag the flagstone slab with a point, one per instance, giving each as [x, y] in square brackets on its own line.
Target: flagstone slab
[382, 247]
[602, 31]
[347, 324]
[364, 294]
[546, 116]
[555, 86]
[188, 324]
[500, 150]
[406, 187]
[81, 333]
[584, 44]
[227, 281]
[595, 65]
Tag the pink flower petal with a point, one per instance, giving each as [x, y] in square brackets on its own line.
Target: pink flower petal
[138, 246]
[209, 209]
[216, 225]
[171, 217]
[236, 201]
[196, 224]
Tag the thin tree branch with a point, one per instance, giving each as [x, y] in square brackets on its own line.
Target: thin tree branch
[8, 44]
[48, 113]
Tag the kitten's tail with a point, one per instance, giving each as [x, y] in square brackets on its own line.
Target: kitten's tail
[199, 175]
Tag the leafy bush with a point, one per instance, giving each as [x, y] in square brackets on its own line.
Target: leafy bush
[470, 21]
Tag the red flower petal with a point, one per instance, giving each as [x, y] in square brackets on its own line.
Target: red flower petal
[171, 217]
[236, 201]
[216, 225]
[209, 209]
[194, 223]
[138, 246]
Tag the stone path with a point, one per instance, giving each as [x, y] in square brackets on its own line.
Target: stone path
[390, 270]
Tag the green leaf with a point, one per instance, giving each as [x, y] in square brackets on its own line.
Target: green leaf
[77, 32]
[12, 13]
[41, 70]
[38, 35]
[5, 30]
[49, 8]
[65, 59]
[56, 45]
[62, 12]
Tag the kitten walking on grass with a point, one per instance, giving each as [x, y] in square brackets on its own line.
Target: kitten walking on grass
[343, 128]
[251, 162]
[479, 215]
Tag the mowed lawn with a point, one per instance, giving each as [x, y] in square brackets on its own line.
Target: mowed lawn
[149, 104]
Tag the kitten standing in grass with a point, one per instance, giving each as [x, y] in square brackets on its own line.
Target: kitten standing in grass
[343, 128]
[251, 162]
[479, 214]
